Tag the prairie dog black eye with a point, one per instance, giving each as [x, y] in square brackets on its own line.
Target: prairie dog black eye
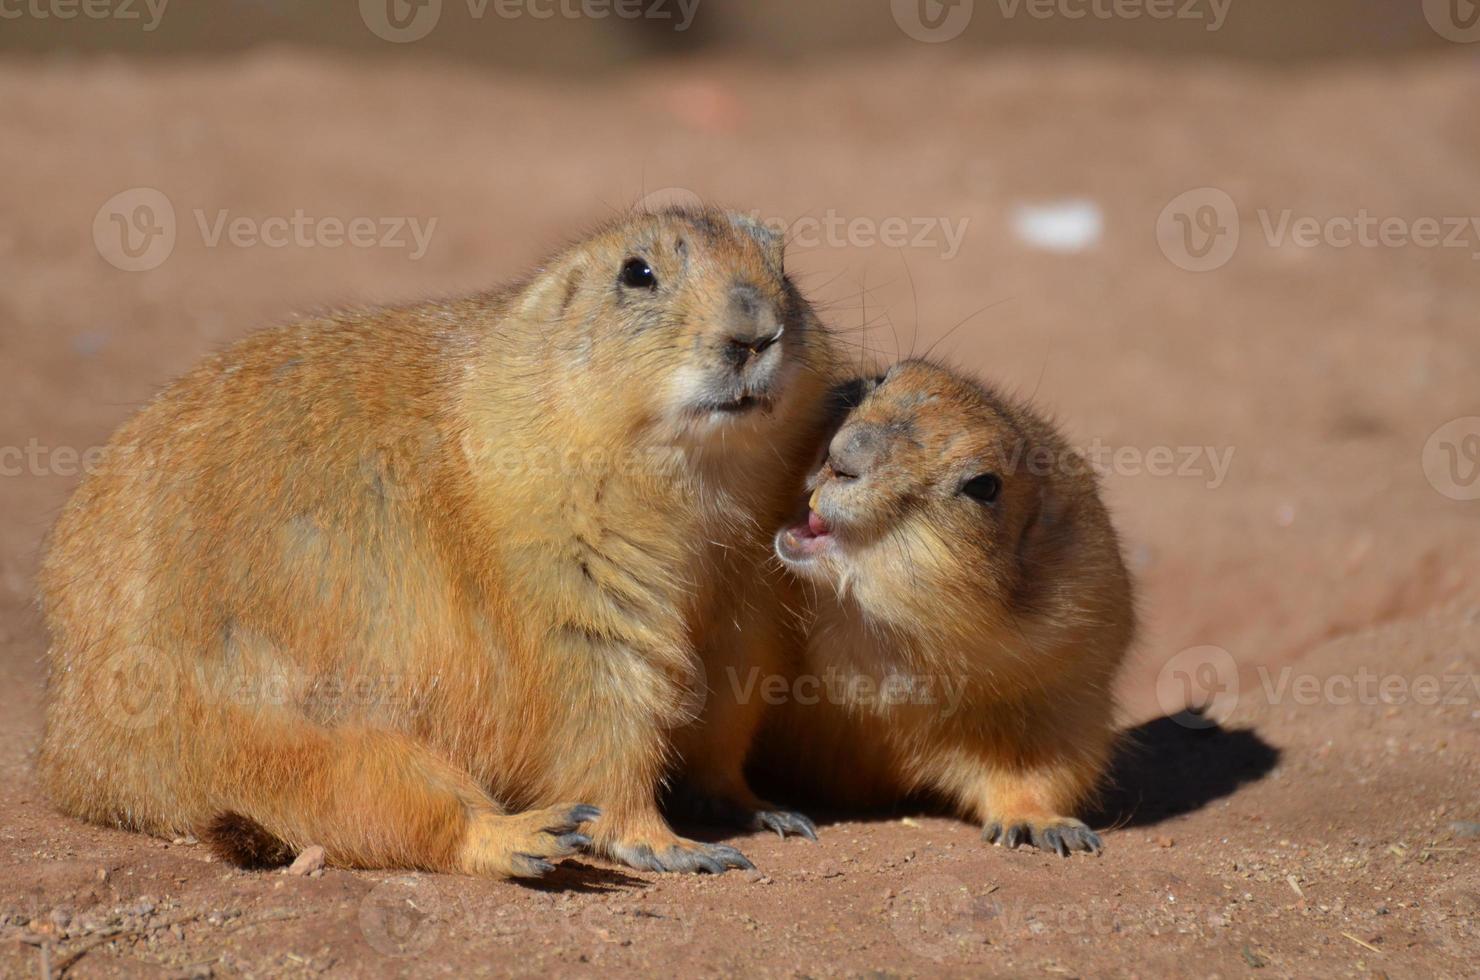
[637, 274]
[984, 488]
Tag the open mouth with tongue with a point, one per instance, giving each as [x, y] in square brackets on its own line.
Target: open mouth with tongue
[804, 540]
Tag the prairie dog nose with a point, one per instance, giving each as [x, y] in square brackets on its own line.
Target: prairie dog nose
[855, 450]
[752, 321]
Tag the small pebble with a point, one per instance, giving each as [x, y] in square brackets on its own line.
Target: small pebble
[306, 863]
[1465, 828]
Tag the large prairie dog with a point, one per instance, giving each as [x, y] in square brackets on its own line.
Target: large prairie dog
[423, 585]
[969, 607]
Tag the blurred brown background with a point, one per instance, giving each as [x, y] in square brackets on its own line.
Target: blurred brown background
[778, 30]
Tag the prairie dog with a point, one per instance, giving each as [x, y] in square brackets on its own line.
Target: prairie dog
[423, 585]
[964, 570]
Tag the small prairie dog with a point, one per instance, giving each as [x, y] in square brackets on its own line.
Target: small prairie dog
[969, 611]
[425, 585]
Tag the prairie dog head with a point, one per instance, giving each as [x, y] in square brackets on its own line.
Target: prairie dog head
[941, 503]
[679, 320]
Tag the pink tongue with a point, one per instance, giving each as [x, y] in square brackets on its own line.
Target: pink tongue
[816, 524]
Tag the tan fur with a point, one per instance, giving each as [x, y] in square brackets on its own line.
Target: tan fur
[1016, 613]
[412, 583]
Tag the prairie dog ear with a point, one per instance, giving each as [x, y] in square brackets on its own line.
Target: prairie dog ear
[547, 296]
[771, 240]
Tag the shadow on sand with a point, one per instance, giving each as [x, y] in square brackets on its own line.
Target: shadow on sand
[1175, 765]
[1164, 768]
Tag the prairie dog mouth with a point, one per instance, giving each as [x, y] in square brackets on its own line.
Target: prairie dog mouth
[732, 408]
[741, 405]
[805, 540]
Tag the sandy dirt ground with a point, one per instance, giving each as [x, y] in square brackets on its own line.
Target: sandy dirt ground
[1322, 588]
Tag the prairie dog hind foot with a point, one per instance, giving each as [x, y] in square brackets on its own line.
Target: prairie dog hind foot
[1061, 835]
[749, 812]
[524, 845]
[678, 855]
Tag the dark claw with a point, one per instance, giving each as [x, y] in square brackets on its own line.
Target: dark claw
[1061, 838]
[701, 862]
[731, 857]
[1088, 840]
[712, 859]
[639, 856]
[584, 813]
[573, 842]
[1051, 840]
[784, 822]
[574, 817]
[534, 866]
